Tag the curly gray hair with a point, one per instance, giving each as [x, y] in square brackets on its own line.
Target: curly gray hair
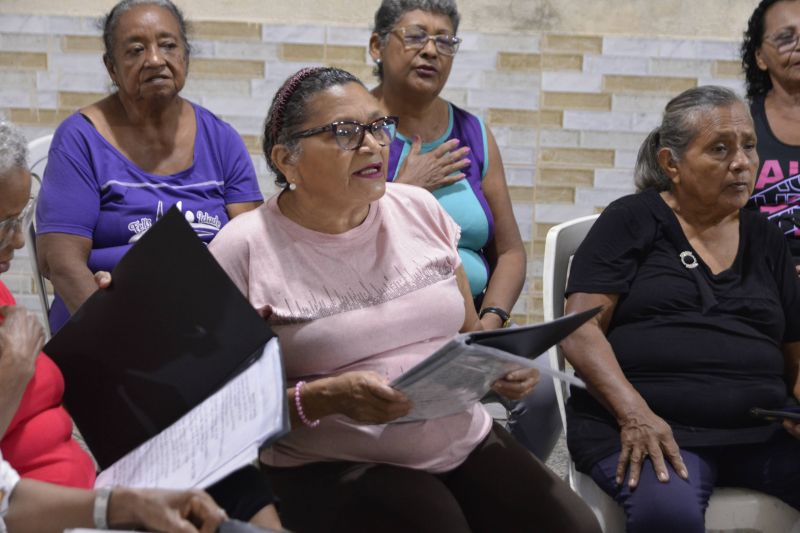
[13, 148]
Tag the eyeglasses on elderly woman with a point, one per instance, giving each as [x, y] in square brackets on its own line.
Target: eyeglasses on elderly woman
[784, 41]
[350, 134]
[415, 38]
[10, 226]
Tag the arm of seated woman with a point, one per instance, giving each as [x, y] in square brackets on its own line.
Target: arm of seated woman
[363, 396]
[41, 507]
[791, 353]
[505, 251]
[642, 432]
[240, 207]
[63, 260]
[21, 340]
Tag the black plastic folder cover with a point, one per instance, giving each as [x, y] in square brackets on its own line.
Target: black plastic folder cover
[170, 331]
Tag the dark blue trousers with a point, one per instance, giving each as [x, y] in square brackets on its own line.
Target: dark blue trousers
[772, 468]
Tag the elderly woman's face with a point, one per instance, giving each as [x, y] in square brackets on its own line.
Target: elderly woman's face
[15, 190]
[718, 168]
[323, 170]
[421, 70]
[778, 52]
[150, 58]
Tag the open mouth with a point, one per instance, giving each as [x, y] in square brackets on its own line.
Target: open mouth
[373, 171]
[157, 78]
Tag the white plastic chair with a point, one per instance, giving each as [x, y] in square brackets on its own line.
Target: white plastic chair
[730, 509]
[37, 161]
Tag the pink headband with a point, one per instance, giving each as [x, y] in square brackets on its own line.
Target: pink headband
[283, 96]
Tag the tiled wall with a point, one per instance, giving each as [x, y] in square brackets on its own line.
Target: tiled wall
[568, 111]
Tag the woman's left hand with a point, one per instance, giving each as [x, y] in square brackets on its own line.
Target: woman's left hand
[517, 384]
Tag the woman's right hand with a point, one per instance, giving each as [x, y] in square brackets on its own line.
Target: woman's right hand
[436, 168]
[165, 510]
[365, 397]
[21, 340]
[643, 434]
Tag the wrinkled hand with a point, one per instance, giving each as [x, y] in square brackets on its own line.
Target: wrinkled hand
[436, 168]
[366, 397]
[644, 434]
[164, 510]
[102, 279]
[517, 384]
[21, 340]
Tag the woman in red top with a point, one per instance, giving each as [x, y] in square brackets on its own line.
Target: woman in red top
[36, 430]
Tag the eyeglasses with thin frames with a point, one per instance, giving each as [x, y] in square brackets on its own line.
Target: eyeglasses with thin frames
[415, 38]
[350, 134]
[10, 226]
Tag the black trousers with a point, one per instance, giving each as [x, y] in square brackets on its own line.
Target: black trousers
[500, 487]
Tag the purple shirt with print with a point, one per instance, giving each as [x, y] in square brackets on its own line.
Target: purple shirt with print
[92, 190]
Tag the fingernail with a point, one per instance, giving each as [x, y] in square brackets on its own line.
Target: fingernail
[467, 161]
[662, 476]
[619, 480]
[684, 474]
[467, 149]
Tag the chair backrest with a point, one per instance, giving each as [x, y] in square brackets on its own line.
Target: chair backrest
[37, 161]
[559, 247]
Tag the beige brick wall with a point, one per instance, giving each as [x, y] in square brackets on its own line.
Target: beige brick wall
[568, 109]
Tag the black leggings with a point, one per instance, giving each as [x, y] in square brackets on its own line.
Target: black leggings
[500, 487]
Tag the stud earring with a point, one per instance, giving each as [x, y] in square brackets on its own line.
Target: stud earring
[292, 186]
[378, 61]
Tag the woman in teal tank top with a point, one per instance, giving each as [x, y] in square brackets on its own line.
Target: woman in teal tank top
[448, 150]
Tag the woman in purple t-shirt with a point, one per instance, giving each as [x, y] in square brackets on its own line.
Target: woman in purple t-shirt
[116, 165]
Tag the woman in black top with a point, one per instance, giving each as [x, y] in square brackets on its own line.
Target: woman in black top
[771, 63]
[701, 322]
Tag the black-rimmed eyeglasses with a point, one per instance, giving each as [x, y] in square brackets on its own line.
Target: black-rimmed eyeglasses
[349, 134]
[10, 226]
[415, 38]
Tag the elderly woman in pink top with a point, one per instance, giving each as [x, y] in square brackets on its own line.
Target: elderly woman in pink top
[361, 280]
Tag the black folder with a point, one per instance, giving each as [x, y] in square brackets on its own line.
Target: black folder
[170, 331]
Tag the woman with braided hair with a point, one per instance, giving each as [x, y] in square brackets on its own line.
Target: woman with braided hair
[361, 279]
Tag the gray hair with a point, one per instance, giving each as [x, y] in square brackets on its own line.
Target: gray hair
[109, 23]
[679, 126]
[13, 148]
[391, 11]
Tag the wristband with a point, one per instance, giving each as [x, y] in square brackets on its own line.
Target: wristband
[310, 423]
[100, 512]
[505, 318]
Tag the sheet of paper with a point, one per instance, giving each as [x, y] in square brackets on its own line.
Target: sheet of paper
[463, 370]
[465, 378]
[218, 436]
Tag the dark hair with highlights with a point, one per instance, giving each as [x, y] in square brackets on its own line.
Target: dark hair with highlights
[289, 108]
[757, 80]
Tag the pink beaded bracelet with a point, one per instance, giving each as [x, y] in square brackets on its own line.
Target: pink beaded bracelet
[310, 423]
